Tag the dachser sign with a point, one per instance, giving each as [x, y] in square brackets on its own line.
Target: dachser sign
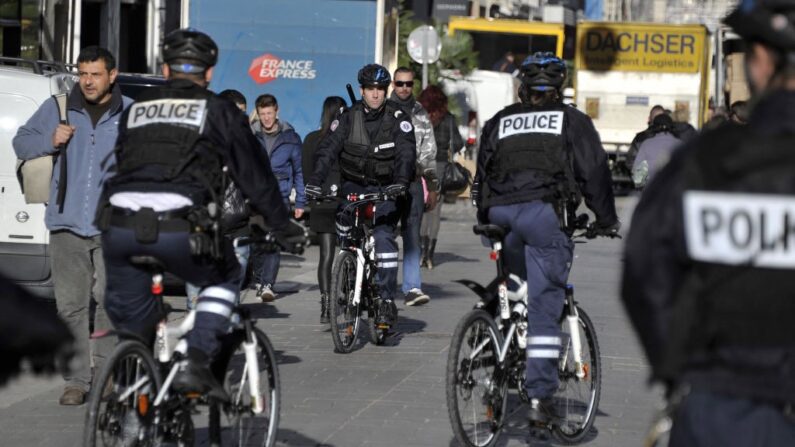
[639, 47]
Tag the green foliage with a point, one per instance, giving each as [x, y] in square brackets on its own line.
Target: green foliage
[457, 51]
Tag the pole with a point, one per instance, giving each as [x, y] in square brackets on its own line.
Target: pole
[424, 59]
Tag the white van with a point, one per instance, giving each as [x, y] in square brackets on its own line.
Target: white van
[24, 254]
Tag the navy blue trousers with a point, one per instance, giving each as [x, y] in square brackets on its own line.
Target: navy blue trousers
[539, 252]
[128, 298]
[706, 419]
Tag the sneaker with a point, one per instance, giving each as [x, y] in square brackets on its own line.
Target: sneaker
[387, 312]
[416, 297]
[193, 377]
[266, 294]
[542, 411]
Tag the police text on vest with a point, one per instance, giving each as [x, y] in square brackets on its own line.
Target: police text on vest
[533, 122]
[753, 229]
[188, 112]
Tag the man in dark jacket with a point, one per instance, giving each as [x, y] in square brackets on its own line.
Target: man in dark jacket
[282, 145]
[84, 149]
[655, 150]
[536, 158]
[176, 143]
[708, 271]
[375, 146]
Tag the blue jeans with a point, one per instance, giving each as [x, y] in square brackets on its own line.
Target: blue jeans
[242, 253]
[539, 252]
[411, 222]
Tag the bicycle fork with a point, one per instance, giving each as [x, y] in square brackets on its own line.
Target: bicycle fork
[573, 321]
[251, 371]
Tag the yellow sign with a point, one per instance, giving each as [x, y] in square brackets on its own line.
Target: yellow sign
[639, 47]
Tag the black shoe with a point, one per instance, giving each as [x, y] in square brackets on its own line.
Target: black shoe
[416, 297]
[542, 412]
[195, 377]
[324, 309]
[387, 312]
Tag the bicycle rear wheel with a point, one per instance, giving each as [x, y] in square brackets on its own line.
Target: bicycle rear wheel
[236, 423]
[121, 403]
[476, 402]
[577, 398]
[344, 313]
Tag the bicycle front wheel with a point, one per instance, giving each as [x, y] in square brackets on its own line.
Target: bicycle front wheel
[121, 403]
[577, 398]
[344, 313]
[476, 399]
[238, 423]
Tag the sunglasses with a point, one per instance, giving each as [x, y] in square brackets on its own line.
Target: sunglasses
[404, 83]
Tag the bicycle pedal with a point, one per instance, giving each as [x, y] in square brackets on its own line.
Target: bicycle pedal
[382, 326]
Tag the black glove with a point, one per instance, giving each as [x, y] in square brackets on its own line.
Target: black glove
[313, 192]
[292, 237]
[474, 193]
[394, 191]
[606, 230]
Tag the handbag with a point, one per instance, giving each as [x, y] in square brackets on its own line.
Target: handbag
[456, 178]
[35, 175]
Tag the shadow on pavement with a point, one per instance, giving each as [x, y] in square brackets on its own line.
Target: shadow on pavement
[405, 326]
[517, 428]
[287, 437]
[440, 258]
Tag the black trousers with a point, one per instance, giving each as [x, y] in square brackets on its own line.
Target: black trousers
[128, 298]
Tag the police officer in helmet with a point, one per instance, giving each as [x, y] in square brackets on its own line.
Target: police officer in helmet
[178, 147]
[708, 275]
[374, 144]
[537, 159]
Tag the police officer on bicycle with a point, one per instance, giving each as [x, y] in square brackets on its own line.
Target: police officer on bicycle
[374, 144]
[537, 159]
[709, 273]
[176, 145]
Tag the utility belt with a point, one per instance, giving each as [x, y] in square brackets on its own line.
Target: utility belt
[205, 238]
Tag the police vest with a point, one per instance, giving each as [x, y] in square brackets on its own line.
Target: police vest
[739, 221]
[530, 158]
[163, 148]
[370, 162]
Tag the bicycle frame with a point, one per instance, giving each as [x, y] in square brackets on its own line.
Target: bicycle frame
[165, 354]
[504, 298]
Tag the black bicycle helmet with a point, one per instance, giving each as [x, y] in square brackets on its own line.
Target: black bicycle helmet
[374, 75]
[189, 45]
[543, 71]
[771, 22]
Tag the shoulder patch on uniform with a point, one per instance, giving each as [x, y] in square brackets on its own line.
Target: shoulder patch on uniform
[187, 112]
[334, 125]
[405, 126]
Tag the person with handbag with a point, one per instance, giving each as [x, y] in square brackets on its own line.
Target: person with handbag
[448, 142]
[85, 136]
[322, 218]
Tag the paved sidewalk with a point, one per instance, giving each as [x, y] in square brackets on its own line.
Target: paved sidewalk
[392, 395]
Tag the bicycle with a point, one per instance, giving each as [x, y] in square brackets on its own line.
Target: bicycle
[487, 357]
[353, 287]
[137, 406]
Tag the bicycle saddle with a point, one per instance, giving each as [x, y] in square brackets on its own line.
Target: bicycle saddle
[494, 232]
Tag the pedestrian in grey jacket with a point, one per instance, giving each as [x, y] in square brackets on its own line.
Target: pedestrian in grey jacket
[86, 143]
[414, 203]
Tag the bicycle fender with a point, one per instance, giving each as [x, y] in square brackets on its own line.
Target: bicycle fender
[475, 287]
